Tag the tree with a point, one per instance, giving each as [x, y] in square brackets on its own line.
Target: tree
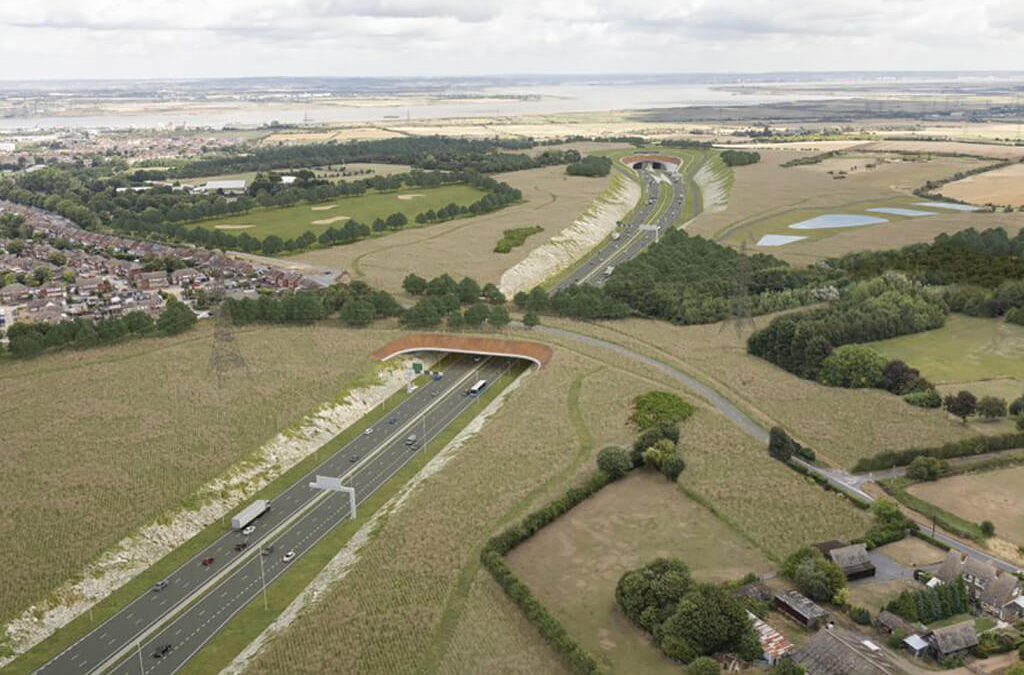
[988, 528]
[499, 317]
[992, 407]
[816, 577]
[787, 667]
[476, 314]
[614, 462]
[414, 284]
[358, 312]
[704, 665]
[927, 468]
[423, 314]
[963, 404]
[176, 318]
[672, 466]
[453, 320]
[1020, 423]
[899, 378]
[853, 366]
[649, 595]
[493, 294]
[469, 291]
[530, 319]
[272, 244]
[1017, 407]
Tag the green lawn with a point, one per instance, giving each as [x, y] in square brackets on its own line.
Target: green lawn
[291, 221]
[964, 350]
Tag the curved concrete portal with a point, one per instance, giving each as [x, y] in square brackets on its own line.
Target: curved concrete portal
[536, 352]
[656, 162]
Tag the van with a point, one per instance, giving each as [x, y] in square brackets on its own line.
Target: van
[411, 440]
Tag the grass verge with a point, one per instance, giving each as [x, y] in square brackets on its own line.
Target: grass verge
[897, 488]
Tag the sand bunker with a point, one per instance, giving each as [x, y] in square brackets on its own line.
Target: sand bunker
[232, 227]
[409, 196]
[906, 213]
[836, 220]
[948, 205]
[328, 221]
[324, 208]
[778, 239]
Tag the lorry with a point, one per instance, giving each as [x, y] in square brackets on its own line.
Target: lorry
[249, 514]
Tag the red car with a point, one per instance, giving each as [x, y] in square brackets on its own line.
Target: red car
[207, 562]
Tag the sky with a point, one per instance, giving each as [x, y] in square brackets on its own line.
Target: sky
[65, 39]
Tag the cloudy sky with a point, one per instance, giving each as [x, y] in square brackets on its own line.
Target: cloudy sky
[190, 38]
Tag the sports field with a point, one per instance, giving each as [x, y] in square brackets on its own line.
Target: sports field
[291, 221]
[573, 565]
[74, 489]
[987, 495]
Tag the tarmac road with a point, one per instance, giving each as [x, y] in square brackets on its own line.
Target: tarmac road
[297, 520]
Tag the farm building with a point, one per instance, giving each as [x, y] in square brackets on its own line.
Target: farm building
[853, 560]
[774, 645]
[916, 645]
[952, 641]
[228, 187]
[838, 652]
[892, 624]
[801, 608]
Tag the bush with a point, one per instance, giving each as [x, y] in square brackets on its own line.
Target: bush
[924, 399]
[889, 524]
[615, 462]
[1016, 315]
[815, 576]
[853, 367]
[963, 404]
[1017, 407]
[988, 528]
[650, 437]
[705, 665]
[965, 448]
[992, 407]
[659, 407]
[927, 468]
[860, 616]
[672, 466]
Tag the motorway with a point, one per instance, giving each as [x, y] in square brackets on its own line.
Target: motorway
[632, 239]
[200, 600]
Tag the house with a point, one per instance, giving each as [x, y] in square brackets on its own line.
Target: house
[1013, 610]
[839, 652]
[853, 560]
[12, 293]
[52, 289]
[149, 281]
[977, 576]
[953, 641]
[998, 594]
[891, 624]
[916, 645]
[774, 645]
[801, 609]
[87, 286]
[184, 276]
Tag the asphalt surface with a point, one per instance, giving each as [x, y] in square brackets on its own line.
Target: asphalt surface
[632, 240]
[298, 519]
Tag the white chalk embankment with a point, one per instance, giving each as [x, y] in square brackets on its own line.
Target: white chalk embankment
[575, 241]
[343, 561]
[216, 500]
[714, 188]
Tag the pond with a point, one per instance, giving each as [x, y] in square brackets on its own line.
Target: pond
[906, 213]
[948, 205]
[778, 239]
[836, 220]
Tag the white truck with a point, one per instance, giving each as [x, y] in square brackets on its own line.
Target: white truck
[608, 270]
[249, 514]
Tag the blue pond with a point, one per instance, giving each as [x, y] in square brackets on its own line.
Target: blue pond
[836, 220]
[906, 213]
[948, 205]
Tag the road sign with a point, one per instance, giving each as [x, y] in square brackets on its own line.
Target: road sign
[417, 367]
[327, 483]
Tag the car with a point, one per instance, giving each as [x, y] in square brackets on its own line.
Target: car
[433, 394]
[354, 458]
[368, 431]
[241, 546]
[248, 529]
[161, 651]
[477, 359]
[207, 562]
[267, 550]
[159, 586]
[392, 420]
[288, 557]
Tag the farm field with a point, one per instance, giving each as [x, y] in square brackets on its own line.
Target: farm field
[766, 198]
[1001, 187]
[291, 221]
[829, 419]
[144, 427]
[984, 356]
[987, 495]
[573, 565]
[465, 247]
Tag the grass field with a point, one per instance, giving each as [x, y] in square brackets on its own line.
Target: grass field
[144, 425]
[322, 172]
[291, 221]
[913, 552]
[465, 247]
[1000, 187]
[766, 198]
[989, 495]
[829, 419]
[573, 565]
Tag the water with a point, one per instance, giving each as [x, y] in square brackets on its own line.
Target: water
[906, 213]
[836, 220]
[778, 240]
[948, 205]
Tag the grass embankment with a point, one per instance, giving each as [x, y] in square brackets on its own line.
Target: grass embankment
[289, 222]
[139, 585]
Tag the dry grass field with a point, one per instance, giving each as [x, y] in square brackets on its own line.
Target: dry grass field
[573, 565]
[99, 443]
[1001, 187]
[465, 246]
[913, 552]
[766, 198]
[988, 495]
[842, 425]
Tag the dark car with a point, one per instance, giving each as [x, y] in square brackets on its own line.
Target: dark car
[241, 546]
[207, 562]
[161, 651]
[268, 550]
[159, 586]
[355, 458]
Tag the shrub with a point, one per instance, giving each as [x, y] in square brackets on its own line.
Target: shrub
[853, 367]
[991, 407]
[927, 468]
[924, 399]
[899, 378]
[889, 524]
[705, 665]
[659, 407]
[815, 576]
[1016, 315]
[614, 462]
[963, 404]
[860, 616]
[672, 466]
[1017, 407]
[964, 448]
[988, 528]
[649, 437]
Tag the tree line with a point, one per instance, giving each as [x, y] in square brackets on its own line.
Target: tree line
[739, 157]
[442, 301]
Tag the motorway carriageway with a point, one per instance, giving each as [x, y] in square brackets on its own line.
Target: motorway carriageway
[206, 598]
[632, 240]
